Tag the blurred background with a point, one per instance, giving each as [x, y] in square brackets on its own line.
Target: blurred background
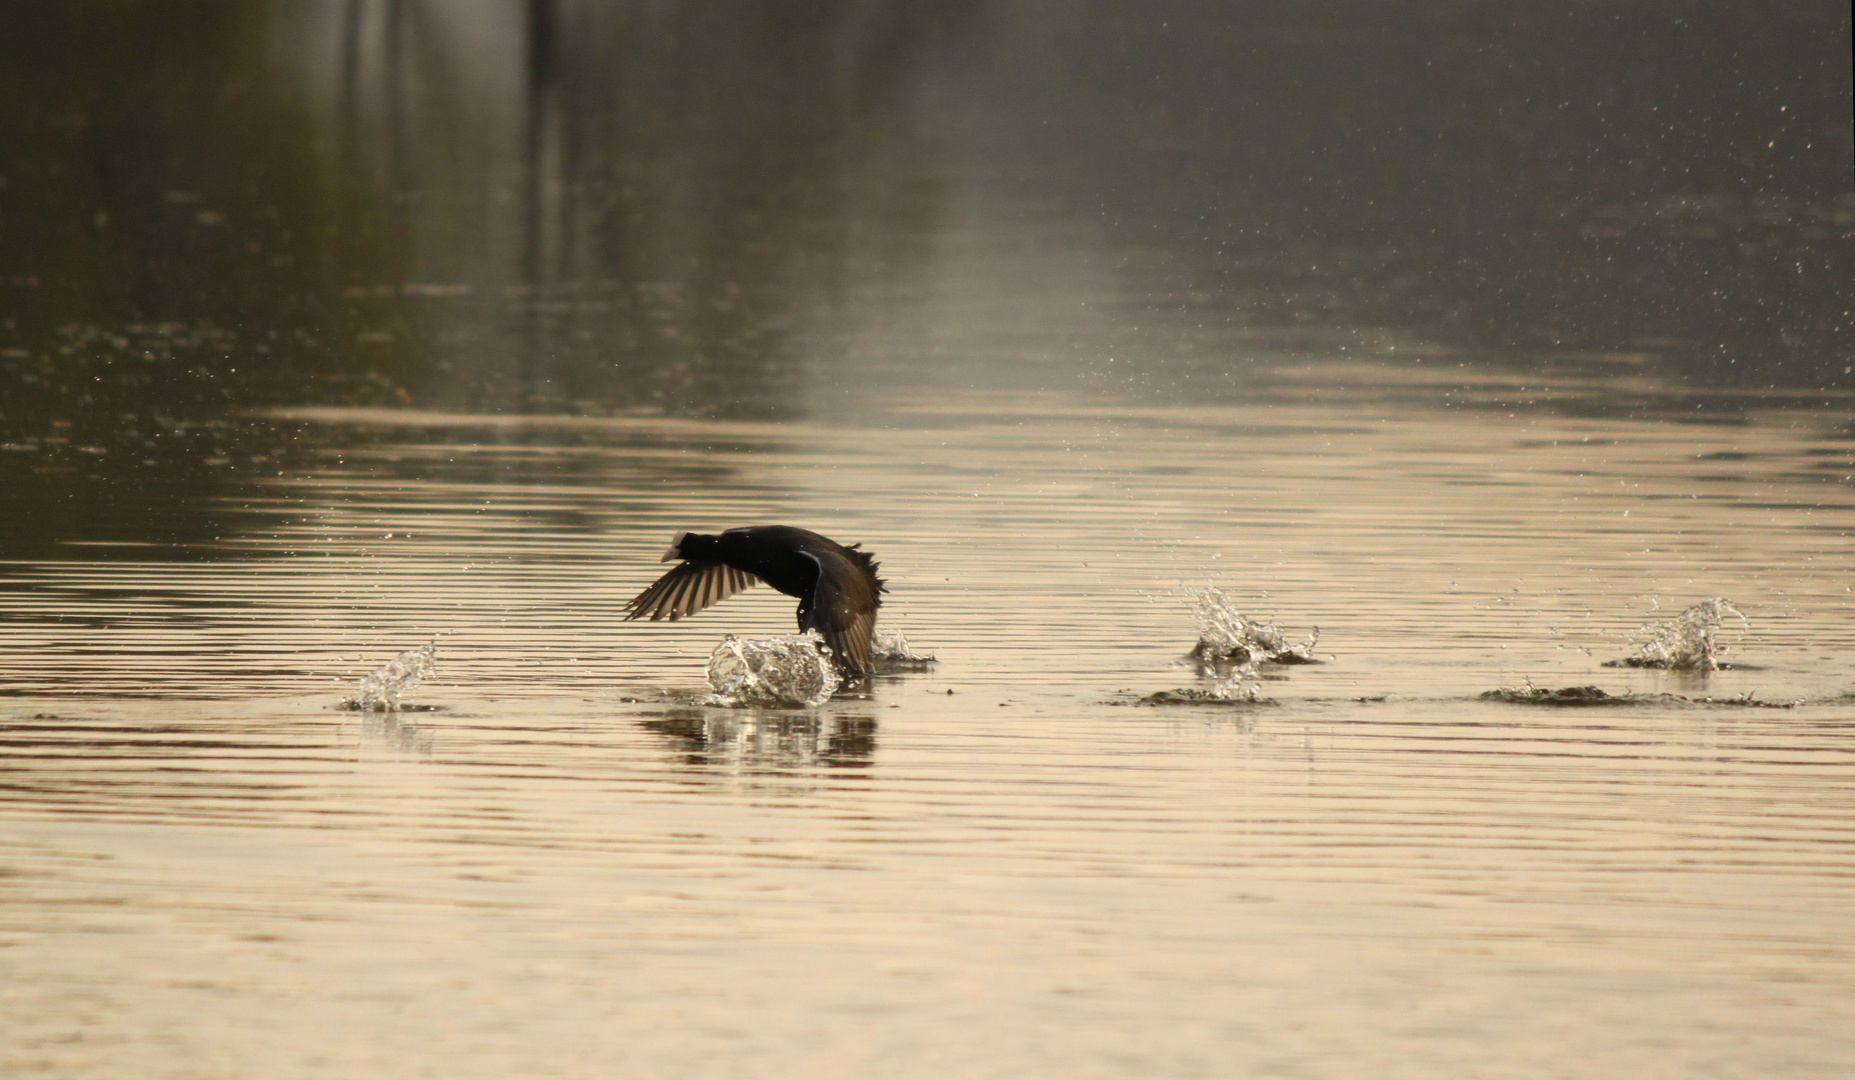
[756, 209]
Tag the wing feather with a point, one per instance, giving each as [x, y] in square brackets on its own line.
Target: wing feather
[843, 610]
[686, 589]
[853, 644]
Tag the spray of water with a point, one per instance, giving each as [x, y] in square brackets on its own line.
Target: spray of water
[381, 690]
[1688, 642]
[793, 670]
[892, 652]
[1225, 636]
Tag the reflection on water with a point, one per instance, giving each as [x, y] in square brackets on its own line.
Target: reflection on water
[397, 202]
[772, 740]
[727, 209]
[669, 202]
[396, 731]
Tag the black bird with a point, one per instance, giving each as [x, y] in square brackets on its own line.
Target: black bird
[837, 586]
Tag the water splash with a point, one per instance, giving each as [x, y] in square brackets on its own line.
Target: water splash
[793, 670]
[891, 652]
[1688, 642]
[380, 691]
[1225, 636]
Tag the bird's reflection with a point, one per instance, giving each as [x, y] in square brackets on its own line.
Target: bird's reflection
[764, 740]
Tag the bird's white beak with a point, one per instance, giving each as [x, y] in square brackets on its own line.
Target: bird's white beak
[675, 551]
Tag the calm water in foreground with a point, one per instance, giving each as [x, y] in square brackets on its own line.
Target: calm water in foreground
[1000, 867]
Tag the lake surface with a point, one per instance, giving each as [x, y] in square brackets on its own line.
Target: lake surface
[1480, 337]
[1003, 866]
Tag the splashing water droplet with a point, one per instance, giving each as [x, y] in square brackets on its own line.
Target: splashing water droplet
[1688, 642]
[793, 670]
[892, 652]
[380, 691]
[1225, 635]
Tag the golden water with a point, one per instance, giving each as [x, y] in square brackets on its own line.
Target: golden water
[999, 867]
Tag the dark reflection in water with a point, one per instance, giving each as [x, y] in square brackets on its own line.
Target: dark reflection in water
[243, 203]
[1656, 178]
[198, 481]
[727, 738]
[696, 209]
[240, 204]
[692, 177]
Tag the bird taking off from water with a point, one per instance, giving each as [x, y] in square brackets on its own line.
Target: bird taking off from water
[837, 586]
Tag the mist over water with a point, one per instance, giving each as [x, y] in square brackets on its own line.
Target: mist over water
[369, 353]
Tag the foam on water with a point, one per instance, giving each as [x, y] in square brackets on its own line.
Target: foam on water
[792, 670]
[1688, 642]
[381, 690]
[1224, 635]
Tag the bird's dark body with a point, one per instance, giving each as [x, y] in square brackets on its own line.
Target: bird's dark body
[769, 552]
[837, 586]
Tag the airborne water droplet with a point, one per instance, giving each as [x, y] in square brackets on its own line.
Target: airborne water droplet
[1688, 642]
[380, 691]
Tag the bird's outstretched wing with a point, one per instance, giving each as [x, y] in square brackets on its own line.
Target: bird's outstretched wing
[688, 588]
[843, 610]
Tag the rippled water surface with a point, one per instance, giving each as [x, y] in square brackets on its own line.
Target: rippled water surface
[1002, 866]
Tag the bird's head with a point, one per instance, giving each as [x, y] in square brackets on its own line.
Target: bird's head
[676, 548]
